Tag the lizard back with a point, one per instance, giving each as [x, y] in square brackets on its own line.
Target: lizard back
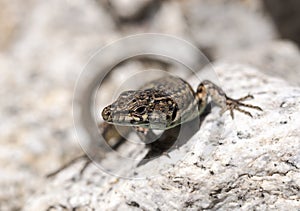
[181, 92]
[159, 104]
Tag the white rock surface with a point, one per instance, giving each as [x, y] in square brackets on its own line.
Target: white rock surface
[222, 27]
[45, 45]
[280, 58]
[128, 9]
[242, 164]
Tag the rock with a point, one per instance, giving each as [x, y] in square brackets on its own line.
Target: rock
[222, 27]
[280, 58]
[245, 163]
[11, 18]
[286, 17]
[160, 17]
[170, 19]
[131, 10]
[46, 50]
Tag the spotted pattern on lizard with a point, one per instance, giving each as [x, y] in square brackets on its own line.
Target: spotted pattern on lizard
[167, 102]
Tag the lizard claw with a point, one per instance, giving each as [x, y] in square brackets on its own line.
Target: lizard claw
[247, 97]
[235, 104]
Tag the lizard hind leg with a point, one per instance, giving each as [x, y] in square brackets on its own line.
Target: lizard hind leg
[219, 97]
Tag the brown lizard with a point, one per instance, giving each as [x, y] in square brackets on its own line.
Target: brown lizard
[167, 102]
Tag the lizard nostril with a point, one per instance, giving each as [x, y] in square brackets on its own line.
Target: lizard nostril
[106, 112]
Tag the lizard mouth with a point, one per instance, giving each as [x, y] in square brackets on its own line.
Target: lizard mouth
[121, 118]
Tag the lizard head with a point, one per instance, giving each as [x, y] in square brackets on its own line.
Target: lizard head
[145, 108]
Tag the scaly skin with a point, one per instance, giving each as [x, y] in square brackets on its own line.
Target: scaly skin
[167, 102]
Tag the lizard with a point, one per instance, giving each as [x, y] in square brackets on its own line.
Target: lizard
[169, 101]
[161, 104]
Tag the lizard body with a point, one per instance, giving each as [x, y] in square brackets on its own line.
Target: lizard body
[167, 102]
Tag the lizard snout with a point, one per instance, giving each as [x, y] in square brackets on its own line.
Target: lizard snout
[106, 113]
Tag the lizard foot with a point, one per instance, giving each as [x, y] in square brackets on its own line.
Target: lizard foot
[235, 104]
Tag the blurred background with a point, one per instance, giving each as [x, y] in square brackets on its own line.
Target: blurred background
[44, 46]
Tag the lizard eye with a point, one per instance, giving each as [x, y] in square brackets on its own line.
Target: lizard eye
[141, 109]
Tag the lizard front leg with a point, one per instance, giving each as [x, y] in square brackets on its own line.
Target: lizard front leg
[145, 134]
[209, 89]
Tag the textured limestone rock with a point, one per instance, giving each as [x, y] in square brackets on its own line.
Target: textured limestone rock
[280, 58]
[286, 17]
[222, 27]
[129, 10]
[245, 163]
[48, 46]
[11, 18]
